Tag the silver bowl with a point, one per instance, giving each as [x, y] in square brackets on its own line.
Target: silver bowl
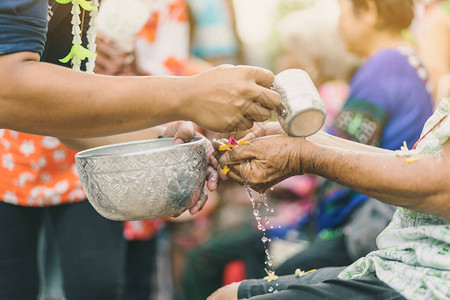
[143, 179]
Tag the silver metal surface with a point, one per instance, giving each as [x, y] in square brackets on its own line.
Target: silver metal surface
[144, 179]
[302, 111]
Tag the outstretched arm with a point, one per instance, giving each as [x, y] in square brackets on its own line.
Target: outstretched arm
[45, 99]
[421, 185]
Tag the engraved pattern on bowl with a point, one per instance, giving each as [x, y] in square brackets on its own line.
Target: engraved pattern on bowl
[144, 179]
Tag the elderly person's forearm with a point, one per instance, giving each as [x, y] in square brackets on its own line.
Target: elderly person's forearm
[421, 185]
[325, 139]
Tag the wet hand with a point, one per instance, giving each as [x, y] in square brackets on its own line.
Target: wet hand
[265, 162]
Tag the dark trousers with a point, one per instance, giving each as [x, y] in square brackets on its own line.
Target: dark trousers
[91, 250]
[318, 285]
[140, 266]
[319, 254]
[205, 264]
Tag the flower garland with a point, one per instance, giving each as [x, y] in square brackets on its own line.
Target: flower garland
[78, 53]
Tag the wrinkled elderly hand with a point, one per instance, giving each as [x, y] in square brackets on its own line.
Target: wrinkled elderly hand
[183, 132]
[265, 162]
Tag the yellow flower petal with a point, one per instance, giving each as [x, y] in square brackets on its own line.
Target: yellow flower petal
[225, 170]
[242, 142]
[226, 147]
[271, 276]
[411, 160]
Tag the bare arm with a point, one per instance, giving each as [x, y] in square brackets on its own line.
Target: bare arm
[421, 185]
[45, 99]
[321, 137]
[434, 45]
[86, 143]
[325, 139]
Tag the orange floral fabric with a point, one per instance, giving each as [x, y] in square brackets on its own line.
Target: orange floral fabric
[162, 45]
[37, 170]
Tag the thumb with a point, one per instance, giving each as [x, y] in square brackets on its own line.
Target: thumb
[185, 132]
[237, 155]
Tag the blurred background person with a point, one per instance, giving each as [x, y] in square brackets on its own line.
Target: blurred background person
[309, 40]
[387, 106]
[382, 111]
[431, 32]
[213, 31]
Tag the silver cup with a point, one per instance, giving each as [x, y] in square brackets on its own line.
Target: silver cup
[302, 111]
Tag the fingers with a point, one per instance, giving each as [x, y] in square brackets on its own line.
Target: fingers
[262, 130]
[268, 98]
[183, 132]
[257, 112]
[262, 76]
[264, 79]
[212, 176]
[251, 136]
[200, 203]
[258, 130]
[239, 124]
[210, 153]
[232, 174]
[238, 155]
[238, 135]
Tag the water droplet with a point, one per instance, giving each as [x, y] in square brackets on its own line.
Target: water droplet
[270, 289]
[256, 205]
[271, 188]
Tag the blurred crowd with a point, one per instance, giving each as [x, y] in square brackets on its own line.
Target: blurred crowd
[189, 257]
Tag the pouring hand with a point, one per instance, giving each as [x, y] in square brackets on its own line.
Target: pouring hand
[228, 99]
